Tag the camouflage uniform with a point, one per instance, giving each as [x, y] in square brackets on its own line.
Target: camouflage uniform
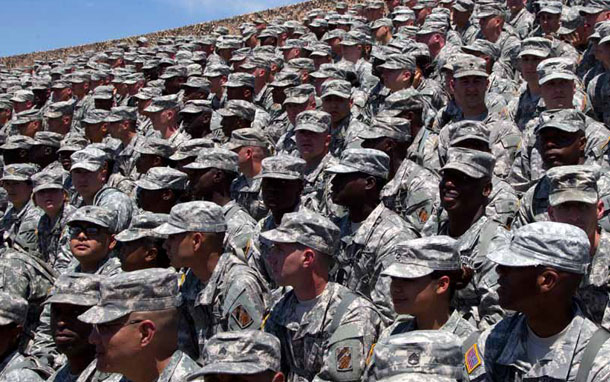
[522, 23]
[247, 193]
[598, 92]
[126, 154]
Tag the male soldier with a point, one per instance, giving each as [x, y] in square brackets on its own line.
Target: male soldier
[464, 190]
[22, 100]
[152, 152]
[187, 151]
[16, 149]
[174, 77]
[44, 150]
[222, 293]
[382, 31]
[210, 179]
[196, 117]
[520, 18]
[94, 125]
[196, 88]
[259, 66]
[217, 74]
[598, 89]
[539, 272]
[90, 173]
[160, 188]
[252, 147]
[136, 323]
[461, 17]
[240, 356]
[298, 99]
[336, 101]
[240, 86]
[491, 21]
[163, 112]
[6, 114]
[122, 125]
[139, 247]
[370, 230]
[326, 330]
[19, 223]
[28, 122]
[59, 117]
[397, 73]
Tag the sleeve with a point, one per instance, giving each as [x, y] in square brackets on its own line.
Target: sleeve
[245, 307]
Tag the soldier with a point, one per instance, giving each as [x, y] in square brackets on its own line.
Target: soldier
[160, 188]
[397, 73]
[16, 149]
[28, 122]
[222, 293]
[44, 150]
[95, 125]
[152, 152]
[492, 17]
[598, 89]
[326, 331]
[241, 87]
[139, 247]
[252, 356]
[122, 125]
[135, 327]
[237, 114]
[298, 99]
[336, 96]
[196, 117]
[370, 230]
[163, 113]
[59, 117]
[520, 19]
[196, 88]
[210, 179]
[539, 272]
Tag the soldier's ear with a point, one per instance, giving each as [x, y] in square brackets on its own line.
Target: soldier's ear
[600, 209]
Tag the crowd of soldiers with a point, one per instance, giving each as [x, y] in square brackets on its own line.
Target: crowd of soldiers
[399, 190]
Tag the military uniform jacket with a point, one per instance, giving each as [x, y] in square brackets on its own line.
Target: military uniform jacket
[522, 23]
[126, 158]
[19, 226]
[247, 193]
[310, 350]
[90, 374]
[49, 234]
[456, 325]
[240, 226]
[424, 149]
[178, 368]
[504, 352]
[234, 298]
[18, 368]
[594, 292]
[316, 194]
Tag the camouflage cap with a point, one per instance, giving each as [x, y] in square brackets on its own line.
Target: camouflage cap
[557, 245]
[73, 142]
[484, 47]
[82, 289]
[19, 172]
[476, 164]
[301, 63]
[317, 121]
[27, 116]
[190, 148]
[216, 70]
[308, 228]
[23, 96]
[595, 6]
[245, 352]
[197, 216]
[148, 93]
[144, 290]
[257, 61]
[556, 68]
[282, 167]
[198, 83]
[103, 92]
[163, 103]
[299, 94]
[463, 5]
[48, 138]
[418, 356]
[59, 109]
[173, 71]
[568, 120]
[13, 309]
[155, 146]
[219, 158]
[5, 104]
[320, 50]
[59, 85]
[573, 184]
[383, 22]
[388, 127]
[536, 46]
[99, 216]
[330, 71]
[339, 88]
[490, 9]
[367, 161]
[468, 129]
[122, 113]
[420, 257]
[430, 27]
[162, 178]
[142, 226]
[398, 62]
[89, 158]
[603, 29]
[95, 116]
[48, 179]
[333, 34]
[238, 80]
[238, 108]
[405, 100]
[286, 78]
[550, 6]
[247, 137]
[470, 66]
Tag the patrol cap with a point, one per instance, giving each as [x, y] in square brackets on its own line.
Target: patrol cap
[320, 50]
[73, 142]
[399, 61]
[420, 257]
[367, 161]
[5, 104]
[190, 148]
[59, 85]
[155, 146]
[216, 70]
[468, 129]
[148, 93]
[594, 7]
[555, 68]
[550, 6]
[282, 167]
[173, 71]
[27, 116]
[82, 289]
[299, 94]
[163, 103]
[19, 172]
[13, 309]
[143, 290]
[317, 121]
[573, 184]
[383, 22]
[463, 5]
[103, 92]
[238, 108]
[604, 32]
[490, 9]
[484, 47]
[221, 159]
[388, 127]
[89, 158]
[258, 61]
[238, 80]
[99, 216]
[244, 352]
[430, 27]
[47, 138]
[199, 83]
[557, 245]
[568, 120]
[48, 179]
[474, 163]
[405, 100]
[339, 88]
[329, 71]
[95, 116]
[197, 216]
[419, 355]
[470, 66]
[286, 78]
[247, 137]
[162, 178]
[58, 109]
[536, 46]
[571, 19]
[122, 113]
[23, 96]
[142, 226]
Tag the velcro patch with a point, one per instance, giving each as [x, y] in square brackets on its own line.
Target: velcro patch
[344, 358]
[241, 316]
[472, 359]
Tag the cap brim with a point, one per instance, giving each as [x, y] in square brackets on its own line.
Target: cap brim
[14, 178]
[153, 109]
[464, 169]
[471, 73]
[100, 314]
[275, 175]
[148, 185]
[407, 271]
[6, 321]
[310, 127]
[48, 186]
[533, 52]
[509, 258]
[341, 169]
[132, 235]
[79, 300]
[572, 195]
[231, 368]
[168, 229]
[279, 235]
[85, 166]
[604, 40]
[557, 76]
[335, 93]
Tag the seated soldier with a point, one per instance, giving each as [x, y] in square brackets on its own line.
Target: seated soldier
[139, 247]
[160, 188]
[188, 150]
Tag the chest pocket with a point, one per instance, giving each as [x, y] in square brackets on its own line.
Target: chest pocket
[345, 354]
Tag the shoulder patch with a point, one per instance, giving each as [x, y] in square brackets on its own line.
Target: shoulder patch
[472, 359]
[344, 358]
[423, 215]
[241, 316]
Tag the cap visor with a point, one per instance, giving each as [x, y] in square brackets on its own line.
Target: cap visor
[148, 185]
[341, 169]
[533, 52]
[335, 93]
[509, 258]
[48, 186]
[63, 298]
[278, 235]
[468, 73]
[275, 175]
[153, 109]
[85, 166]
[572, 195]
[168, 229]
[557, 76]
[5, 321]
[407, 271]
[14, 178]
[131, 235]
[100, 315]
[465, 169]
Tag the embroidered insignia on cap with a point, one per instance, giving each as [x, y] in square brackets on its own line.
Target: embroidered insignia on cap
[344, 358]
[241, 316]
[472, 359]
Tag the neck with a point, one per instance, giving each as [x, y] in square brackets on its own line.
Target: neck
[461, 221]
[311, 287]
[148, 370]
[127, 138]
[433, 319]
[533, 87]
[594, 238]
[360, 212]
[221, 197]
[545, 325]
[19, 205]
[204, 269]
[279, 214]
[170, 130]
[515, 12]
[251, 170]
[313, 163]
[495, 35]
[90, 267]
[80, 362]
[474, 111]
